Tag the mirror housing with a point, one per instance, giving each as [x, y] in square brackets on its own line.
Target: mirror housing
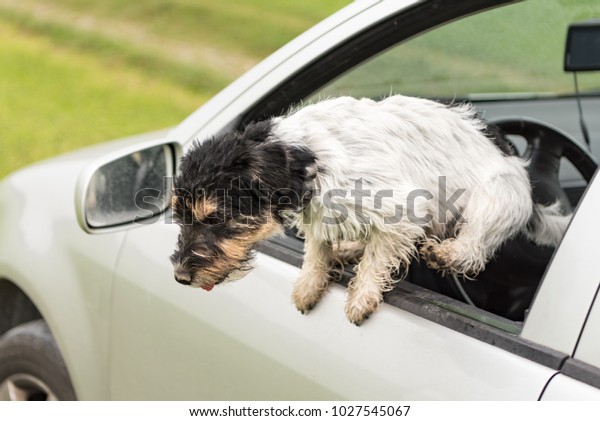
[582, 52]
[129, 186]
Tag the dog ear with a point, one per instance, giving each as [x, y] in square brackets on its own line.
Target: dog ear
[298, 189]
[286, 172]
[259, 160]
[256, 168]
[281, 175]
[259, 131]
[252, 151]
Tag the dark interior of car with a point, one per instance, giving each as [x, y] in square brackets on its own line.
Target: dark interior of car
[508, 284]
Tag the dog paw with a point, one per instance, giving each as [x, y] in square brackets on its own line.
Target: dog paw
[305, 304]
[450, 256]
[438, 255]
[306, 298]
[359, 308]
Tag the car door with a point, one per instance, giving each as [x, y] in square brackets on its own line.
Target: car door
[246, 340]
[579, 377]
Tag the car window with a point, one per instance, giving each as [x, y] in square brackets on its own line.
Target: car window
[512, 52]
[508, 62]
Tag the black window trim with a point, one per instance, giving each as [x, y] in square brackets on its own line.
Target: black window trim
[582, 371]
[453, 314]
[448, 312]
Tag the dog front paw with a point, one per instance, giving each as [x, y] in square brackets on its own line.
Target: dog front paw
[305, 302]
[360, 307]
[306, 295]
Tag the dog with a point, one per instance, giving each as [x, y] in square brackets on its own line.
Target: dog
[401, 156]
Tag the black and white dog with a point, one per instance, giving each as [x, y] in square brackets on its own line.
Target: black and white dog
[375, 175]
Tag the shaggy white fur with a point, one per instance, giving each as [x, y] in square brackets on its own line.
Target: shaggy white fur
[428, 178]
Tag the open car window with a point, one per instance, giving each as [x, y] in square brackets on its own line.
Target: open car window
[510, 53]
[507, 62]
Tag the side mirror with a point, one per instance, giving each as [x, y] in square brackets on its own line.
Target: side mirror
[582, 51]
[130, 186]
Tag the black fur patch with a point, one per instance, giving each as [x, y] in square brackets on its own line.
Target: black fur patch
[301, 180]
[249, 175]
[497, 137]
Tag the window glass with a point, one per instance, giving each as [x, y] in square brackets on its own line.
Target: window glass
[506, 52]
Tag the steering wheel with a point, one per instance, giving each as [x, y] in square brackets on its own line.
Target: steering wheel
[510, 280]
[508, 284]
[546, 145]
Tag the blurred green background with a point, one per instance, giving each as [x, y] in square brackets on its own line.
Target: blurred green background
[516, 49]
[78, 72]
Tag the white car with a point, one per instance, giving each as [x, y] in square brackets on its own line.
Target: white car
[89, 308]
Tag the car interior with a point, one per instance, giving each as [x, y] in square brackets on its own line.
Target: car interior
[532, 97]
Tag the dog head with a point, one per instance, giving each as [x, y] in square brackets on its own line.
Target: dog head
[233, 191]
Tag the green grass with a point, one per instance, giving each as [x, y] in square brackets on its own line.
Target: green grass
[64, 84]
[197, 79]
[518, 48]
[54, 100]
[253, 27]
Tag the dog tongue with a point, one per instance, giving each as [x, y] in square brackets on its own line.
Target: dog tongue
[207, 287]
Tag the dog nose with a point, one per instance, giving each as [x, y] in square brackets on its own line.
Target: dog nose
[183, 276]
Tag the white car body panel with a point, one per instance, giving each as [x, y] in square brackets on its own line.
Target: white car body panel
[81, 277]
[567, 292]
[234, 334]
[45, 226]
[588, 348]
[564, 388]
